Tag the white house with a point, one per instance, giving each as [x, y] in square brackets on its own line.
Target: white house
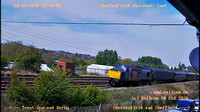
[98, 69]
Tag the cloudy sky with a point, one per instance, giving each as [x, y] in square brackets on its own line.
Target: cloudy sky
[172, 44]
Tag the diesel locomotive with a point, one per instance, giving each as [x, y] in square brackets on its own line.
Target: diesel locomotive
[135, 75]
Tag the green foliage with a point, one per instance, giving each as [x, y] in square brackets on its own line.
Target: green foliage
[179, 68]
[48, 59]
[152, 62]
[102, 97]
[52, 89]
[29, 59]
[81, 63]
[11, 49]
[76, 98]
[91, 96]
[4, 61]
[20, 94]
[126, 61]
[91, 61]
[83, 68]
[107, 57]
[74, 59]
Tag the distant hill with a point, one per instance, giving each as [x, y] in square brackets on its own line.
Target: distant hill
[11, 49]
[55, 53]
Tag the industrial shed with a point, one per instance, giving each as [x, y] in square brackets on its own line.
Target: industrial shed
[98, 69]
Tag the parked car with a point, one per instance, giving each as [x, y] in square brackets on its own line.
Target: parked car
[187, 105]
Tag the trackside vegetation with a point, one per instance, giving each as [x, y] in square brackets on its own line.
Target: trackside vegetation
[53, 89]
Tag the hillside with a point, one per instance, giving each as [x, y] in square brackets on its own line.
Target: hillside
[11, 49]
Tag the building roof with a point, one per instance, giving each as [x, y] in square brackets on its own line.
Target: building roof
[96, 66]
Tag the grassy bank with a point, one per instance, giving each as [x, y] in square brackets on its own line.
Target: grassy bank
[125, 97]
[178, 90]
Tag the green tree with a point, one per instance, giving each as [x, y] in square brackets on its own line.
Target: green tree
[81, 62]
[180, 68]
[91, 61]
[52, 89]
[175, 68]
[48, 59]
[29, 59]
[107, 57]
[74, 59]
[4, 61]
[126, 61]
[152, 62]
[11, 49]
[20, 94]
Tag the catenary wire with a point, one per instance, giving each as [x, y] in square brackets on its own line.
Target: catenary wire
[97, 23]
[51, 38]
[58, 42]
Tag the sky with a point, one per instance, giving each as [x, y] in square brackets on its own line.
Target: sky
[172, 44]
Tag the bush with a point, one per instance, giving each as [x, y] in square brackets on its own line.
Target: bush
[29, 59]
[91, 96]
[52, 89]
[4, 61]
[20, 94]
[83, 68]
[76, 98]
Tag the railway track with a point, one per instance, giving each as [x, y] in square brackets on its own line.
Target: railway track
[84, 81]
[100, 82]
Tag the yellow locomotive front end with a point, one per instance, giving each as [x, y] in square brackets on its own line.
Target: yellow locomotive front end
[114, 74]
[114, 77]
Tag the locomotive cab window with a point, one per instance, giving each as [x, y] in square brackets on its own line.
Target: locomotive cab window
[148, 74]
